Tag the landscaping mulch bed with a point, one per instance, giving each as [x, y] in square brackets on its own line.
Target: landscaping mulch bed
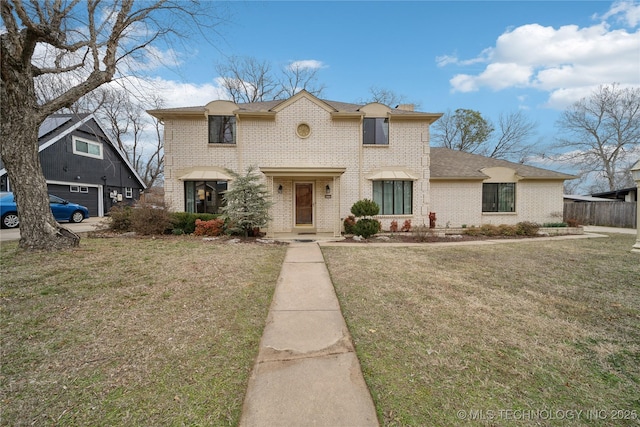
[411, 238]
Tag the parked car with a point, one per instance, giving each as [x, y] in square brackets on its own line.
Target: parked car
[63, 210]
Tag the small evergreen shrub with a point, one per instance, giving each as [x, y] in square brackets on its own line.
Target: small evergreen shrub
[350, 225]
[365, 208]
[367, 227]
[120, 219]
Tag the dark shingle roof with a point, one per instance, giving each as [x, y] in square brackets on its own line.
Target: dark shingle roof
[453, 164]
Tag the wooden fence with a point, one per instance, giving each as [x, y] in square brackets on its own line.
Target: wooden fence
[607, 214]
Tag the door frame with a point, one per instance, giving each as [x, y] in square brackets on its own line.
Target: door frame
[304, 227]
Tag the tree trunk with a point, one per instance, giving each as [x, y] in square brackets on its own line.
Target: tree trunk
[19, 129]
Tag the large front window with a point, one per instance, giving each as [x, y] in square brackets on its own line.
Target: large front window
[204, 196]
[376, 131]
[498, 197]
[222, 129]
[393, 197]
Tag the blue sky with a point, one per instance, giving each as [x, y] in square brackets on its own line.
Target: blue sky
[494, 57]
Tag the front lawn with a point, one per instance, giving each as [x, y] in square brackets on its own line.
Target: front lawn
[132, 331]
[521, 333]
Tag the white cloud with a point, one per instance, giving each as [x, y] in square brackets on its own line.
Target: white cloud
[568, 62]
[306, 64]
[626, 12]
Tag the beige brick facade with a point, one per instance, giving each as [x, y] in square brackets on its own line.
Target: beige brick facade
[328, 156]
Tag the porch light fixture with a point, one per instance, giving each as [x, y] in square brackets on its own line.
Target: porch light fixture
[280, 189]
[327, 190]
[635, 174]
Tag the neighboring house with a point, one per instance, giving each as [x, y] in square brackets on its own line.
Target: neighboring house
[625, 194]
[81, 164]
[318, 157]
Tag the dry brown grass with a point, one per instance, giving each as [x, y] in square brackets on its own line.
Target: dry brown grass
[531, 326]
[132, 331]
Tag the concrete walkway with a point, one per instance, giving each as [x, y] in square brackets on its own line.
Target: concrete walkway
[306, 373]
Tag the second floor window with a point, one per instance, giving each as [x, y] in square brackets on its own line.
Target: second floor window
[222, 129]
[87, 148]
[376, 131]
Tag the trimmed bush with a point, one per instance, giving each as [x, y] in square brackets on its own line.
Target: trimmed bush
[555, 224]
[213, 227]
[367, 227]
[421, 233]
[365, 208]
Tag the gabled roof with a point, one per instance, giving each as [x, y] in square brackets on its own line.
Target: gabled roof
[339, 109]
[57, 126]
[452, 164]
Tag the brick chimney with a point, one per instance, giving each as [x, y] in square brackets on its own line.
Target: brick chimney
[405, 107]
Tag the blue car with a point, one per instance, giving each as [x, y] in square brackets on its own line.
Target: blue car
[62, 209]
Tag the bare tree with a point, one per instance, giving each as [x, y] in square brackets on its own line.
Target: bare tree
[600, 131]
[386, 97]
[299, 76]
[247, 79]
[468, 130]
[110, 33]
[512, 137]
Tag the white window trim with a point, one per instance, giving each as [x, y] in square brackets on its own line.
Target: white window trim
[128, 192]
[74, 189]
[81, 153]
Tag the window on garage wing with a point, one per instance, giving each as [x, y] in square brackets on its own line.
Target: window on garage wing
[204, 196]
[222, 129]
[499, 197]
[84, 147]
[375, 131]
[393, 197]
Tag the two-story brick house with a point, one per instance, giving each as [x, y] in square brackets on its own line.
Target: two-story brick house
[317, 157]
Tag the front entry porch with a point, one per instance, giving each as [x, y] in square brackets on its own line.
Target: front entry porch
[306, 202]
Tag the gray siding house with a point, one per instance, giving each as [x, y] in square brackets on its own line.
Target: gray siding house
[82, 164]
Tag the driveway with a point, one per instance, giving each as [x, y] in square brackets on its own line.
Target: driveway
[89, 224]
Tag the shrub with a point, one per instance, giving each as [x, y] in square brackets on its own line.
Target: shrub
[212, 227]
[472, 231]
[367, 227]
[527, 228]
[350, 224]
[394, 226]
[555, 224]
[120, 218]
[571, 222]
[365, 208]
[489, 230]
[247, 202]
[406, 226]
[507, 230]
[147, 219]
[186, 221]
[421, 233]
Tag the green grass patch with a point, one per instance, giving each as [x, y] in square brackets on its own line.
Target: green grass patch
[132, 331]
[474, 330]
